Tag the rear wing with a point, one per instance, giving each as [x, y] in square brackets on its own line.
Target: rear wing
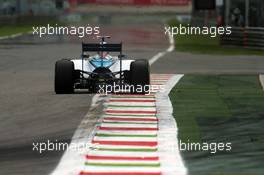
[101, 47]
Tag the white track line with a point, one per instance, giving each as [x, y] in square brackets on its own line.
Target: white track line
[161, 54]
[171, 161]
[11, 36]
[120, 154]
[14, 35]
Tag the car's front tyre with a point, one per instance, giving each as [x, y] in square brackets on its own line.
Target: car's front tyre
[64, 77]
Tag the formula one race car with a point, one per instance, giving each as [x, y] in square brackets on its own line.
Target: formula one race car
[101, 69]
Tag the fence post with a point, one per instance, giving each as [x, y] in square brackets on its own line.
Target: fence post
[247, 13]
[245, 37]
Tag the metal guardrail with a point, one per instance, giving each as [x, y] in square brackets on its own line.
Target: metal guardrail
[250, 37]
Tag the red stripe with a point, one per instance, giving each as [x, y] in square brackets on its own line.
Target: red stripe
[125, 100]
[120, 173]
[127, 129]
[127, 143]
[131, 112]
[130, 119]
[120, 158]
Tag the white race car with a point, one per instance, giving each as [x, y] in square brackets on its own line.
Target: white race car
[94, 72]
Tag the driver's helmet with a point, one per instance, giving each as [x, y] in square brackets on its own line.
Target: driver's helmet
[102, 54]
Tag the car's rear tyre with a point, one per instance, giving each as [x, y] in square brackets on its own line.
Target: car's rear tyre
[64, 77]
[140, 76]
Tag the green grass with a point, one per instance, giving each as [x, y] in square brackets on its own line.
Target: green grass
[10, 30]
[214, 96]
[221, 108]
[204, 44]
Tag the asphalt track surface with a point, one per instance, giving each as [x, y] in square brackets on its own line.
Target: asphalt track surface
[31, 112]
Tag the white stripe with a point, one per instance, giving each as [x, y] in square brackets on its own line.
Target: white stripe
[121, 147]
[120, 169]
[121, 153]
[125, 132]
[170, 157]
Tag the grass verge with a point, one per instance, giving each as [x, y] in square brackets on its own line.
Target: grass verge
[10, 30]
[221, 108]
[204, 44]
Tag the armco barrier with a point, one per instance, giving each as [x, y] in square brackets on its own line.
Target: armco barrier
[137, 2]
[251, 37]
